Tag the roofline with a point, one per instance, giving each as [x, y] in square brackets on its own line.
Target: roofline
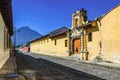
[109, 11]
[48, 35]
[58, 34]
[6, 11]
[57, 29]
[100, 17]
[39, 38]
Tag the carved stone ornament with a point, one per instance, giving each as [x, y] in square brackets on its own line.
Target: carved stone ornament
[76, 32]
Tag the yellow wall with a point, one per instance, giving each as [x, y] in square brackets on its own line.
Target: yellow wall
[110, 31]
[107, 31]
[93, 46]
[4, 54]
[46, 46]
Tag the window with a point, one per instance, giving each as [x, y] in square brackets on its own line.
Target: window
[66, 43]
[76, 22]
[55, 42]
[90, 37]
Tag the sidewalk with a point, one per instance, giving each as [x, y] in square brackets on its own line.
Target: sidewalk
[8, 71]
[103, 64]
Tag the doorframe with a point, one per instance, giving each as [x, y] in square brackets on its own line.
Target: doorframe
[72, 40]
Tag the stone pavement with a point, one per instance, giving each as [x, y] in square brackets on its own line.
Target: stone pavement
[103, 64]
[41, 69]
[104, 70]
[8, 71]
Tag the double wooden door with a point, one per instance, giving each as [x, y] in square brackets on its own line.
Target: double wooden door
[76, 46]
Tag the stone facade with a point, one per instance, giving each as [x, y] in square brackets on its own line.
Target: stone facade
[77, 34]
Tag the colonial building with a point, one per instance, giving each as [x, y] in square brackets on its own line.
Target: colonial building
[6, 30]
[55, 43]
[98, 39]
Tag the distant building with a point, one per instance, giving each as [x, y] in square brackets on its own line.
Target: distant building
[6, 30]
[26, 49]
[55, 43]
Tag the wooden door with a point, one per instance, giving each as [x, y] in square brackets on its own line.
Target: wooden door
[76, 46]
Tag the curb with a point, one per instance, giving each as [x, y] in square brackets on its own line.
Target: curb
[85, 62]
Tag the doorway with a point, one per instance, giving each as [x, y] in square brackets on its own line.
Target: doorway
[76, 46]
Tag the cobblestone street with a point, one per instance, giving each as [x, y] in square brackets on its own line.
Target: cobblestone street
[40, 69]
[101, 71]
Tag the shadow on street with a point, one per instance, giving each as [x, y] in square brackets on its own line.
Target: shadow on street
[41, 69]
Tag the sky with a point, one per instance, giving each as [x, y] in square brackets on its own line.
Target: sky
[44, 16]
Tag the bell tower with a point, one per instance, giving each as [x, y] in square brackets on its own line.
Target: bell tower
[79, 17]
